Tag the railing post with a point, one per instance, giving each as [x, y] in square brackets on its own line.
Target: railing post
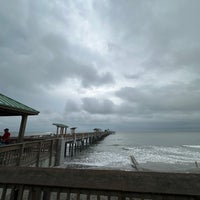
[51, 153]
[65, 152]
[38, 154]
[21, 151]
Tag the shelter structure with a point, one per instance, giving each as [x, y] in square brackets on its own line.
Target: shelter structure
[73, 130]
[11, 107]
[61, 129]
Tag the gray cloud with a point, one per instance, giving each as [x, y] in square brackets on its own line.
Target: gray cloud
[98, 106]
[175, 98]
[46, 63]
[72, 106]
[103, 62]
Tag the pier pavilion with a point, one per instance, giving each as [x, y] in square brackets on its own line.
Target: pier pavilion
[73, 130]
[11, 107]
[61, 129]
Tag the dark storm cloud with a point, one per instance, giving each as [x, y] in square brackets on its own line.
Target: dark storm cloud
[98, 106]
[72, 106]
[172, 34]
[163, 34]
[61, 66]
[68, 59]
[35, 56]
[173, 98]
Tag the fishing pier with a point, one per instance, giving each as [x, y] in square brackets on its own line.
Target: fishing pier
[28, 169]
[47, 150]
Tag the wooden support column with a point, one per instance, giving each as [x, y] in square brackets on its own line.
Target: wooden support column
[22, 128]
[61, 130]
[65, 153]
[57, 130]
[60, 152]
[51, 153]
[73, 133]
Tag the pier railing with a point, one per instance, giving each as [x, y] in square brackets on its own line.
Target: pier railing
[46, 150]
[22, 183]
[28, 153]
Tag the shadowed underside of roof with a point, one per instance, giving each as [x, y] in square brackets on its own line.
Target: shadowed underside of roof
[10, 107]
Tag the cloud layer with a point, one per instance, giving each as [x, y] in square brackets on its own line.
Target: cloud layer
[125, 65]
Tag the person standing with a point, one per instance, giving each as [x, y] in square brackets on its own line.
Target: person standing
[6, 136]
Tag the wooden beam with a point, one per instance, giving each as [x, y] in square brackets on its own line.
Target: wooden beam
[22, 128]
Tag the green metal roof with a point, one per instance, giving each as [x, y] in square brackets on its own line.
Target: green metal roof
[60, 125]
[10, 107]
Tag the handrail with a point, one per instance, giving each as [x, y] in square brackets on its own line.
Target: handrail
[67, 135]
[27, 153]
[109, 183]
[40, 148]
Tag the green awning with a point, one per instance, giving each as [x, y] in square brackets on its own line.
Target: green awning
[10, 107]
[60, 125]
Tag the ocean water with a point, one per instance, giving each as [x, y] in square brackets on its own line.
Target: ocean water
[178, 151]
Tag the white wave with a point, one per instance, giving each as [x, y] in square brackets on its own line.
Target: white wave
[127, 148]
[192, 146]
[162, 154]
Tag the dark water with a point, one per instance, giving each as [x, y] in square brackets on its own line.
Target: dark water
[153, 151]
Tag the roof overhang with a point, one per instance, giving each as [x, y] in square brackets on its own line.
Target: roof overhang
[9, 111]
[11, 107]
[60, 125]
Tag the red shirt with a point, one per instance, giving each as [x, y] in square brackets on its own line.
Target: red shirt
[6, 137]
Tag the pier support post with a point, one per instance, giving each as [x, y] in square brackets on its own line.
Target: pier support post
[22, 128]
[60, 152]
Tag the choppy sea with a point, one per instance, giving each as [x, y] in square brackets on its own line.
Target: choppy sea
[177, 151]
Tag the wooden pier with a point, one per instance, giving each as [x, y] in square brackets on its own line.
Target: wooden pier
[43, 150]
[48, 150]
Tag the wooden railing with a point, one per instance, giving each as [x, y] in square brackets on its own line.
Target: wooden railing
[67, 136]
[21, 183]
[28, 153]
[85, 135]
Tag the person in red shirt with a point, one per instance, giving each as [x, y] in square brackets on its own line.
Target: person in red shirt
[6, 136]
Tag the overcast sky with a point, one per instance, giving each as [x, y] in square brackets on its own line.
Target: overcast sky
[127, 65]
